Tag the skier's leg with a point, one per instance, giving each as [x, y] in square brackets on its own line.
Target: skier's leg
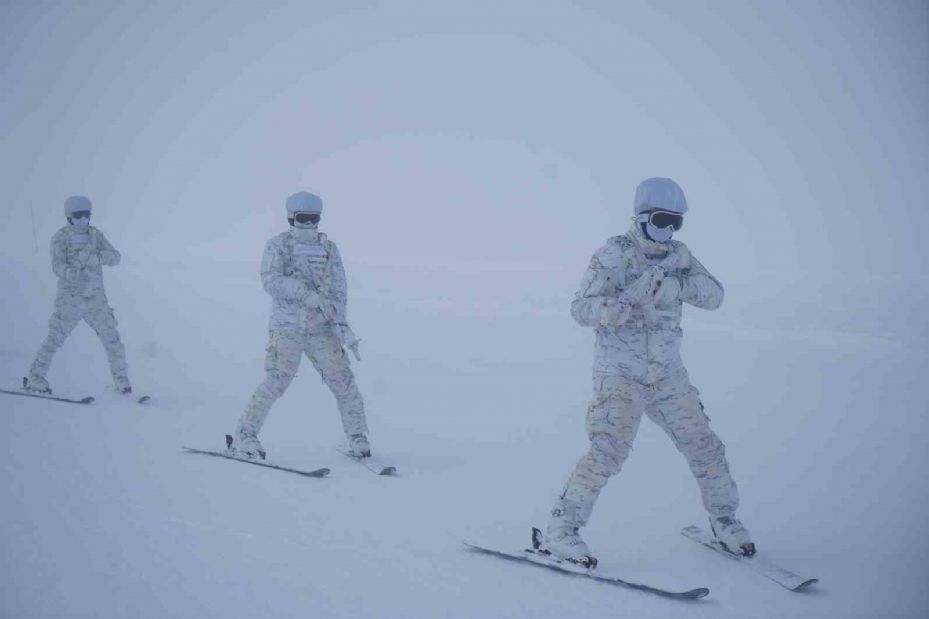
[612, 422]
[101, 319]
[328, 357]
[675, 406]
[62, 322]
[281, 364]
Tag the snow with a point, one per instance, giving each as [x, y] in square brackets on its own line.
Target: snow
[481, 408]
[471, 157]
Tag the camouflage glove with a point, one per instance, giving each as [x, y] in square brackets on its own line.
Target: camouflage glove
[677, 260]
[89, 259]
[311, 298]
[669, 289]
[642, 289]
[613, 312]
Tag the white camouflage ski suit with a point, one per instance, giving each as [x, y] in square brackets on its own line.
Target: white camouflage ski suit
[295, 264]
[638, 369]
[78, 255]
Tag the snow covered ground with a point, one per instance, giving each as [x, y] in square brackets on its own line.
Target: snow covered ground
[479, 399]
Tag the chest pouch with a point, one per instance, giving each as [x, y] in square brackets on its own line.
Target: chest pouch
[311, 261]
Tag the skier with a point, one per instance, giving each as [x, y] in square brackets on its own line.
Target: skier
[632, 294]
[302, 271]
[79, 250]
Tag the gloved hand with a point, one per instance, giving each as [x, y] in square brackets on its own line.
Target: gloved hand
[311, 298]
[643, 288]
[677, 260]
[90, 259]
[349, 340]
[613, 312]
[108, 258]
[669, 289]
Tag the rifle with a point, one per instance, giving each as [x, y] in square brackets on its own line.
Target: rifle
[347, 337]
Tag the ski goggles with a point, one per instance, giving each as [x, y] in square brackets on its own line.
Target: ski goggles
[80, 215]
[306, 218]
[664, 219]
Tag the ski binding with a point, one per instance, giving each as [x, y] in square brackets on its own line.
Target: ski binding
[539, 556]
[48, 396]
[369, 462]
[760, 564]
[228, 455]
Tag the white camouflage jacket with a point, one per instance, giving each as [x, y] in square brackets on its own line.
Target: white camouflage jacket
[646, 347]
[78, 255]
[295, 263]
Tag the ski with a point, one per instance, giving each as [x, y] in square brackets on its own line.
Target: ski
[48, 396]
[219, 454]
[759, 563]
[145, 399]
[371, 463]
[535, 556]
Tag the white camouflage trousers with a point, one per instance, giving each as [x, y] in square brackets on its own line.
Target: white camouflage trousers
[97, 313]
[612, 422]
[325, 352]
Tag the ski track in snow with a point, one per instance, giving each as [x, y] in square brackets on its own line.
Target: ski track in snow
[105, 516]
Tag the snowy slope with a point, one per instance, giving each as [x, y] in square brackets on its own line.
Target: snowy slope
[481, 407]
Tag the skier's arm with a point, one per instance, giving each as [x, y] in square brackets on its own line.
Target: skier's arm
[108, 255]
[338, 291]
[59, 255]
[699, 288]
[600, 289]
[596, 287]
[339, 288]
[275, 282]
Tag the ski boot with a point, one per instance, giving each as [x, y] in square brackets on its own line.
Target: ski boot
[564, 542]
[245, 445]
[122, 385]
[36, 383]
[359, 446]
[562, 539]
[732, 536]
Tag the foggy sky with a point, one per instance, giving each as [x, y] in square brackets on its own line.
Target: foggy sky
[512, 132]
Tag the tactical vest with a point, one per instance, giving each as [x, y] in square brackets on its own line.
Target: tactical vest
[76, 242]
[310, 262]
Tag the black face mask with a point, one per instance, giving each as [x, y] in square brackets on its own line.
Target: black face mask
[306, 218]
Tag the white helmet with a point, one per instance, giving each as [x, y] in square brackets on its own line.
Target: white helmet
[304, 202]
[659, 208]
[659, 193]
[77, 203]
